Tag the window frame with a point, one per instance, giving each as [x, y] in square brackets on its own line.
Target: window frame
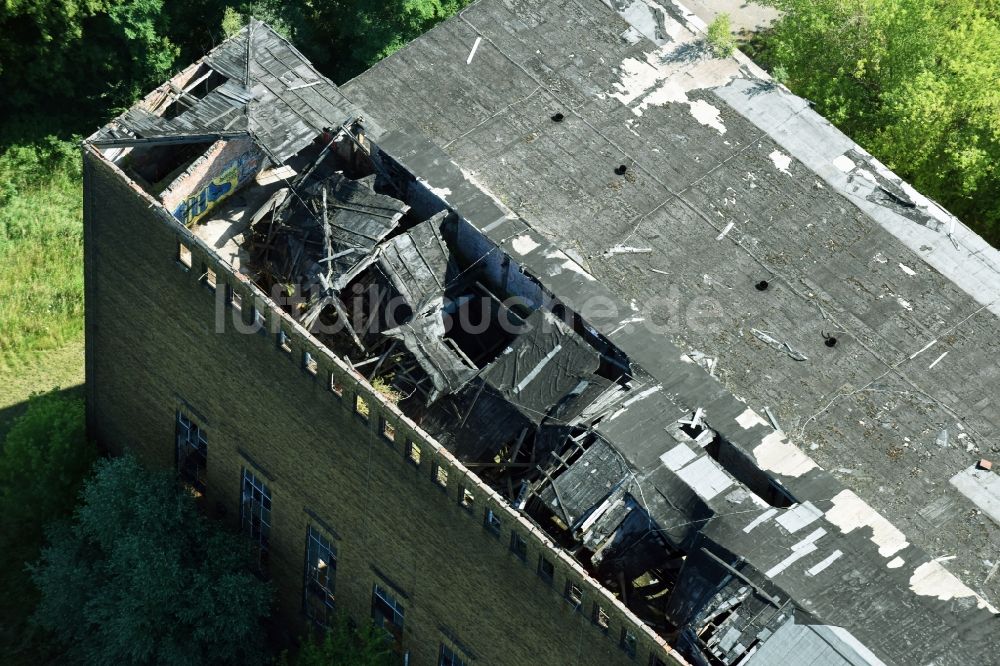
[252, 508]
[319, 588]
[573, 593]
[379, 593]
[492, 522]
[548, 577]
[518, 546]
[184, 257]
[198, 451]
[413, 453]
[629, 642]
[451, 659]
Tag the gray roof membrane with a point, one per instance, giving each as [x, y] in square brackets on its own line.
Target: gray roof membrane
[839, 262]
[649, 449]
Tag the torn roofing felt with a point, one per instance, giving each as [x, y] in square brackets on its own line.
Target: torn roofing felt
[542, 366]
[271, 92]
[419, 263]
[423, 337]
[546, 369]
[358, 219]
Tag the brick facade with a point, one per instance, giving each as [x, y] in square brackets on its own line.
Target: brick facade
[162, 341]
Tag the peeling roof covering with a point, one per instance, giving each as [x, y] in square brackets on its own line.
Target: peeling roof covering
[283, 104]
[359, 218]
[419, 263]
[423, 336]
[544, 364]
[731, 180]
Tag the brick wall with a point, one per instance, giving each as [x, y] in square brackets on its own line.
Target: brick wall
[160, 340]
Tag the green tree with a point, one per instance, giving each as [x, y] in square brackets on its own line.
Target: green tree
[913, 81]
[345, 37]
[97, 53]
[44, 459]
[342, 644]
[139, 576]
[720, 36]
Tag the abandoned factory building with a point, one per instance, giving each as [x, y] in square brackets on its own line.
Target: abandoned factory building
[554, 338]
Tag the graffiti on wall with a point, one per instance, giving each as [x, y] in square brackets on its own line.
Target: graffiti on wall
[233, 174]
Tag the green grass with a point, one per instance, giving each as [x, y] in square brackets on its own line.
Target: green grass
[41, 251]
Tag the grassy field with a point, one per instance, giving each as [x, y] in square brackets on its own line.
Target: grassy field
[41, 284]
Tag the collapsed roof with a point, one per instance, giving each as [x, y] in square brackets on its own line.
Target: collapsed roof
[699, 514]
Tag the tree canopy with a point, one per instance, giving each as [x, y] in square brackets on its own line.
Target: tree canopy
[140, 576]
[342, 643]
[914, 82]
[43, 461]
[102, 54]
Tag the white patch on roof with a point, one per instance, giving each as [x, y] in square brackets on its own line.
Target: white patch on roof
[705, 477]
[850, 512]
[903, 303]
[776, 454]
[781, 161]
[800, 516]
[981, 487]
[666, 75]
[762, 518]
[844, 163]
[906, 269]
[677, 457]
[707, 115]
[896, 562]
[933, 580]
[824, 563]
[799, 550]
[749, 419]
[523, 244]
[537, 369]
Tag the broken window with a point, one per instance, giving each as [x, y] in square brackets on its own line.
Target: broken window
[413, 452]
[518, 546]
[449, 657]
[466, 499]
[601, 618]
[209, 278]
[235, 299]
[284, 342]
[628, 642]
[546, 570]
[491, 522]
[440, 475]
[321, 571]
[310, 363]
[184, 255]
[361, 406]
[259, 320]
[388, 431]
[255, 515]
[388, 614]
[574, 593]
[192, 454]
